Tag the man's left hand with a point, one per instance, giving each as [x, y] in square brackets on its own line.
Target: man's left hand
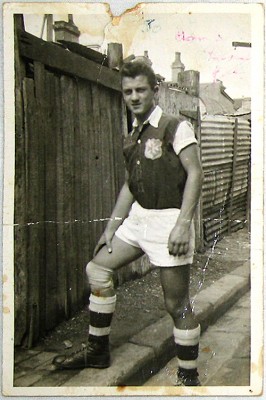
[178, 242]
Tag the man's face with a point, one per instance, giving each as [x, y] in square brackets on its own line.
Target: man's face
[138, 95]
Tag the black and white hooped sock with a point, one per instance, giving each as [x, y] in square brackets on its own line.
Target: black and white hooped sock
[187, 341]
[101, 313]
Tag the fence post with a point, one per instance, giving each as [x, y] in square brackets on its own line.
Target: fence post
[233, 177]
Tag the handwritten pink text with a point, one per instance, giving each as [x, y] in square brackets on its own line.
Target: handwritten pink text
[230, 57]
[183, 37]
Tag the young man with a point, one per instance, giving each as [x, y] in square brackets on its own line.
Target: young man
[153, 215]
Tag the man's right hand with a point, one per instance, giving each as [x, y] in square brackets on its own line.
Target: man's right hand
[105, 240]
[120, 211]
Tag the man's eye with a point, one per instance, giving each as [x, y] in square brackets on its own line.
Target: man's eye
[127, 92]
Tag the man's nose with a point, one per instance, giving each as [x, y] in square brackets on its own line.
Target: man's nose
[134, 95]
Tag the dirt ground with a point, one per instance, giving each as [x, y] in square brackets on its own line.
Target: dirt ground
[140, 302]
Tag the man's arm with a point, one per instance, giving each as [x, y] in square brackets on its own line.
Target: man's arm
[179, 237]
[120, 212]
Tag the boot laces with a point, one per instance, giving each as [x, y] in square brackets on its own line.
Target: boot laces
[83, 348]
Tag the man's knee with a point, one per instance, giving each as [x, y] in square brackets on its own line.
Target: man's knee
[100, 279]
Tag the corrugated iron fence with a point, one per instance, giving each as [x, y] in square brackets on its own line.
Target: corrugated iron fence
[225, 152]
[69, 168]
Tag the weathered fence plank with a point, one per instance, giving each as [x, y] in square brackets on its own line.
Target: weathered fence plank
[62, 292]
[78, 226]
[62, 60]
[41, 126]
[116, 139]
[67, 120]
[20, 218]
[50, 202]
[84, 107]
[96, 166]
[35, 239]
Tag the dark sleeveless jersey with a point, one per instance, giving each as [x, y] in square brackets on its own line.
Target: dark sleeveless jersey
[156, 177]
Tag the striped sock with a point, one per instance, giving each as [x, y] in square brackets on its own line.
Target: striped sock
[101, 312]
[187, 341]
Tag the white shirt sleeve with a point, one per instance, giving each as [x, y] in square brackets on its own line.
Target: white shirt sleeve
[184, 136]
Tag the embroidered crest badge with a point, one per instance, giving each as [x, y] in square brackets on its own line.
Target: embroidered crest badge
[153, 149]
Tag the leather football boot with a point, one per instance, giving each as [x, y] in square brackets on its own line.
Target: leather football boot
[187, 379]
[94, 355]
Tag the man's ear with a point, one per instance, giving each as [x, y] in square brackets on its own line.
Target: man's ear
[156, 91]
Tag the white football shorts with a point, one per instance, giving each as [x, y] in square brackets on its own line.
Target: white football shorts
[149, 230]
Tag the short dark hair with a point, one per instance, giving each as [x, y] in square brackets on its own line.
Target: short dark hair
[135, 68]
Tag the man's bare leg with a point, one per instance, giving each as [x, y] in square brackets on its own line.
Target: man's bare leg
[102, 305]
[175, 282]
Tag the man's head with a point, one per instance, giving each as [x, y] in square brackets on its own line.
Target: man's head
[139, 87]
[136, 68]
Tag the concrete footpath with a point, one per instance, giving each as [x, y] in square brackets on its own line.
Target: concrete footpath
[224, 354]
[145, 353]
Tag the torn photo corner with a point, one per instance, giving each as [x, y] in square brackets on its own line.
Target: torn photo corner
[65, 121]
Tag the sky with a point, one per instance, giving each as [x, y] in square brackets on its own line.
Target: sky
[204, 39]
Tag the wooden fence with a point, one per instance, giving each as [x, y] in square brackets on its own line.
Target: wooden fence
[70, 119]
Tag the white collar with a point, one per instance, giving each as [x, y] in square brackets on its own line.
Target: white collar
[153, 118]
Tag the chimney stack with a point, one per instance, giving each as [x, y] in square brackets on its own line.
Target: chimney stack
[67, 31]
[177, 67]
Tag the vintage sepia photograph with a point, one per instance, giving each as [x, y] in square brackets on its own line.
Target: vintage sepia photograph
[133, 199]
